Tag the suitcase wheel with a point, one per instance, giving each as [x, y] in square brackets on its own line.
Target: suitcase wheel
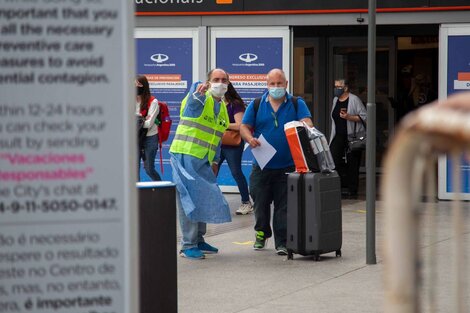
[290, 255]
[338, 253]
[316, 256]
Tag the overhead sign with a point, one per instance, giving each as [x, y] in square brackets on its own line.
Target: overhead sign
[454, 77]
[68, 226]
[218, 7]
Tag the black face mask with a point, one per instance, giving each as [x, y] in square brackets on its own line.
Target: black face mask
[140, 91]
[338, 92]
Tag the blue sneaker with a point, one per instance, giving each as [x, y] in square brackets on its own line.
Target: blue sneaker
[192, 253]
[207, 248]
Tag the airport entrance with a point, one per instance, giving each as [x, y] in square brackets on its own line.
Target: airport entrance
[406, 74]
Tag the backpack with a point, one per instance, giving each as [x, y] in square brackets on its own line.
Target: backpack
[164, 122]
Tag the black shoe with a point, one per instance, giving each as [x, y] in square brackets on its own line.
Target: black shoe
[349, 195]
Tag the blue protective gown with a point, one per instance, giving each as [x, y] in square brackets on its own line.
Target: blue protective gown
[195, 181]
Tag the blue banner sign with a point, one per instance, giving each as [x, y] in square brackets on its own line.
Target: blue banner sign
[458, 79]
[247, 60]
[167, 64]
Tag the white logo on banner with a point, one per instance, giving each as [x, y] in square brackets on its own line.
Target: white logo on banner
[248, 57]
[159, 57]
[160, 60]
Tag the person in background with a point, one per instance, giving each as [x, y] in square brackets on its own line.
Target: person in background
[270, 183]
[233, 154]
[194, 155]
[147, 107]
[346, 115]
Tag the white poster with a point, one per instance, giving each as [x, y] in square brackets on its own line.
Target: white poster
[67, 231]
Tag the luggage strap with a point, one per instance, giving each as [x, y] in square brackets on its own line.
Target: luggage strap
[258, 101]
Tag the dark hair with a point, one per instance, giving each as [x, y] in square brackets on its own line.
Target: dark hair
[344, 80]
[233, 97]
[145, 96]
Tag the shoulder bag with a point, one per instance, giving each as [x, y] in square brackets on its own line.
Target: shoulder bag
[231, 138]
[357, 141]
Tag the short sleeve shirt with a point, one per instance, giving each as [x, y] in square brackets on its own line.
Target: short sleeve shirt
[265, 123]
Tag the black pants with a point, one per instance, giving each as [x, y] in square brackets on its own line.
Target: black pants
[347, 164]
[270, 186]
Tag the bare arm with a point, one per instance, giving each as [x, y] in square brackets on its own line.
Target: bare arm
[307, 121]
[245, 132]
[238, 120]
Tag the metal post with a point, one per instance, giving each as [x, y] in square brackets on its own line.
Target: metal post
[371, 129]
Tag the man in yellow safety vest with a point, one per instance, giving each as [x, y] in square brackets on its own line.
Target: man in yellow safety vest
[194, 155]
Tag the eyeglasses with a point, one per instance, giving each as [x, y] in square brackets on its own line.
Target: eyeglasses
[339, 87]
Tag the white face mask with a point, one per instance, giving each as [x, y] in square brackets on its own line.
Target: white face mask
[218, 89]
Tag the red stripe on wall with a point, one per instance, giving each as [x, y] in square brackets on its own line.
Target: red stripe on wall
[380, 10]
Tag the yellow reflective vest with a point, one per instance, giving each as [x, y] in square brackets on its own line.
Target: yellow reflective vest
[198, 136]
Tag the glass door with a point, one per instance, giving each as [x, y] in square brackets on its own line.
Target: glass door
[348, 59]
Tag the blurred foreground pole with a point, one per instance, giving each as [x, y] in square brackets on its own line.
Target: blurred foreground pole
[371, 128]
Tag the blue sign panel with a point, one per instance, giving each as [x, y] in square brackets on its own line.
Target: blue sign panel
[458, 79]
[167, 64]
[247, 60]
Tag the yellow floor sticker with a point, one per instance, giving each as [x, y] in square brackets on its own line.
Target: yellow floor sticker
[243, 243]
[364, 211]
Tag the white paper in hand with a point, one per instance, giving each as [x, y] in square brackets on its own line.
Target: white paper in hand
[264, 153]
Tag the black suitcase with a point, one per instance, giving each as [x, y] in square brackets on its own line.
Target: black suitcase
[314, 221]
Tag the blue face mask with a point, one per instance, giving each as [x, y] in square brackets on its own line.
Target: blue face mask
[277, 92]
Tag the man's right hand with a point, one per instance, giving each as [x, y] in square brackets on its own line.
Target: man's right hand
[254, 142]
[202, 88]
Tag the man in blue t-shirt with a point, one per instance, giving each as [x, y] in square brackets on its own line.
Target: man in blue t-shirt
[270, 183]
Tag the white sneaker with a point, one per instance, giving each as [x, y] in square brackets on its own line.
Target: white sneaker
[245, 208]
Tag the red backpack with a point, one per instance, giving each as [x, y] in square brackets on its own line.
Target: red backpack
[164, 122]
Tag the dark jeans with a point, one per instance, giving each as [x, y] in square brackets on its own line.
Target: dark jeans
[266, 186]
[347, 164]
[150, 151]
[234, 161]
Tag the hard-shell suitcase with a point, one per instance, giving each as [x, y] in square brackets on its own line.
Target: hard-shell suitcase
[314, 221]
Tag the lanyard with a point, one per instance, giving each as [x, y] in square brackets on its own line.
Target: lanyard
[275, 119]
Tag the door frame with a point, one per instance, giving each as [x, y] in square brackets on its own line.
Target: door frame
[318, 109]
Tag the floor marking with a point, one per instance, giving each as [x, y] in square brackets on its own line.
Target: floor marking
[364, 211]
[245, 243]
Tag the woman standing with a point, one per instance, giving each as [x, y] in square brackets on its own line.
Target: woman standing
[233, 154]
[348, 115]
[147, 107]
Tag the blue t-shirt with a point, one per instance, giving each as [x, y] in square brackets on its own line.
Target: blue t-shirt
[266, 124]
